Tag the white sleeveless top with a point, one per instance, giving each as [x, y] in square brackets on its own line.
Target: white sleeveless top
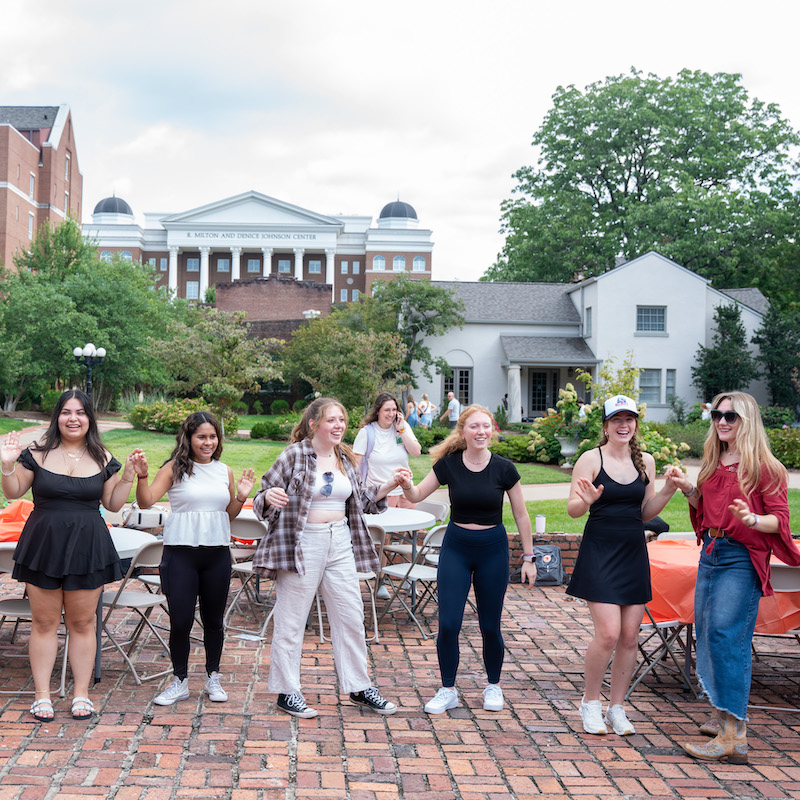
[197, 515]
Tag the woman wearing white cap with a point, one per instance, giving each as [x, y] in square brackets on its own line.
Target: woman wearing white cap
[614, 482]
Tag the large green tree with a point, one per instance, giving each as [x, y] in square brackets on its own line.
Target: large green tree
[727, 365]
[778, 340]
[689, 166]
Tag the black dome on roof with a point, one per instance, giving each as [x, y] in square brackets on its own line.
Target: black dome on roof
[398, 209]
[113, 205]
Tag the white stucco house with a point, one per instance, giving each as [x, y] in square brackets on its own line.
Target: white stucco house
[527, 339]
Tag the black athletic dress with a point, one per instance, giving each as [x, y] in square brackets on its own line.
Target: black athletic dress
[612, 564]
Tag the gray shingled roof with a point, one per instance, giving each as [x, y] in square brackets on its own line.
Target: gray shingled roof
[752, 298]
[29, 118]
[514, 302]
[547, 350]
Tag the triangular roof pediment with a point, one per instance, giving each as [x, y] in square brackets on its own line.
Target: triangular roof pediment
[651, 258]
[250, 208]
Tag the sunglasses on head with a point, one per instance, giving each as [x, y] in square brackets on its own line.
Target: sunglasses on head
[326, 490]
[729, 416]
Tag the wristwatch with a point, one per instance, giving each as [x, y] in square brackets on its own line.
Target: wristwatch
[529, 558]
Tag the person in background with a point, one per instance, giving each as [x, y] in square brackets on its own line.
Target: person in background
[425, 409]
[412, 415]
[196, 562]
[740, 513]
[313, 502]
[615, 483]
[65, 553]
[453, 410]
[475, 547]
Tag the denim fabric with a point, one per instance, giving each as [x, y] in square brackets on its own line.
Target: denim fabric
[725, 609]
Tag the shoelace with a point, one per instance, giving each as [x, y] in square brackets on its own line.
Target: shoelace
[374, 695]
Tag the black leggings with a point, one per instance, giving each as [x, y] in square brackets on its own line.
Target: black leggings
[186, 574]
[480, 558]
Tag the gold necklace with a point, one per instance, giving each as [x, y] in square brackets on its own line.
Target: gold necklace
[75, 459]
[477, 463]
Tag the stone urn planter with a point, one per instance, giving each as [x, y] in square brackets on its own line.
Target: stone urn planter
[569, 447]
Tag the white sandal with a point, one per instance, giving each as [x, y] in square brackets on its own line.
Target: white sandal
[82, 708]
[39, 706]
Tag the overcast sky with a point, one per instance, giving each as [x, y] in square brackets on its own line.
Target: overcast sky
[343, 107]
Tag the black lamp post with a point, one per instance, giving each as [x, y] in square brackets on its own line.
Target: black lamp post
[90, 356]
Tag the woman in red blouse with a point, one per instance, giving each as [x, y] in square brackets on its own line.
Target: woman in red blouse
[740, 514]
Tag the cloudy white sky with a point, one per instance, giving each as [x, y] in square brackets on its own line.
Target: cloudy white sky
[341, 107]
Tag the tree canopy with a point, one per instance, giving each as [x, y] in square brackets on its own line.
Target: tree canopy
[778, 340]
[689, 166]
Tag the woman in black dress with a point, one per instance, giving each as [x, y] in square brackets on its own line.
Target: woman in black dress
[65, 553]
[615, 484]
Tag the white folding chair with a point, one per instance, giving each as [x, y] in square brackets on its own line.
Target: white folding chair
[403, 549]
[18, 609]
[141, 603]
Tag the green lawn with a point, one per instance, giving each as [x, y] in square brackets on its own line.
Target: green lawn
[8, 425]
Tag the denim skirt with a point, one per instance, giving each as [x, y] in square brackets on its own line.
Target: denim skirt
[725, 609]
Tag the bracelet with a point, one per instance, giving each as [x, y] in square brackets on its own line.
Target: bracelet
[401, 431]
[236, 497]
[755, 521]
[122, 480]
[8, 474]
[140, 477]
[688, 494]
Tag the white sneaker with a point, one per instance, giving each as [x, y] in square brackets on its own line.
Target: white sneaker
[177, 690]
[383, 592]
[493, 698]
[592, 716]
[214, 689]
[442, 701]
[615, 717]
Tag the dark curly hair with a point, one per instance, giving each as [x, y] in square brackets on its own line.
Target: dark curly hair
[181, 456]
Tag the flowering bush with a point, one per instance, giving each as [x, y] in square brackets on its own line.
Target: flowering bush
[785, 444]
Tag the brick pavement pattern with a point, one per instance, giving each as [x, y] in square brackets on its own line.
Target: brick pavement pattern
[536, 748]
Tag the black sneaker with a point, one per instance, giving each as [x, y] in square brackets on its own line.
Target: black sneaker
[295, 705]
[371, 698]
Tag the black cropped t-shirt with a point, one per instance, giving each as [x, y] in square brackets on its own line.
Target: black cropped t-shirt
[476, 496]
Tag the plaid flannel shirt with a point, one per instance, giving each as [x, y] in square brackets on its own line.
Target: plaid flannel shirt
[295, 471]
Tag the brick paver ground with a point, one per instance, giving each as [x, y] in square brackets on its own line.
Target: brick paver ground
[244, 749]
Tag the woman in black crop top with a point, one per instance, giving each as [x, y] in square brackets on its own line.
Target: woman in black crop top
[475, 547]
[615, 484]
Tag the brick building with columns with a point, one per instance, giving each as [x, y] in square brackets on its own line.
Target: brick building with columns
[253, 236]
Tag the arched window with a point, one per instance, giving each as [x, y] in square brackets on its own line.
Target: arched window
[419, 264]
[126, 254]
[379, 262]
[106, 255]
[399, 264]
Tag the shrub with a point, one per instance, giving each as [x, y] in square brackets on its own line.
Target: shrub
[777, 416]
[501, 416]
[514, 448]
[257, 407]
[785, 444]
[264, 430]
[693, 434]
[428, 437]
[48, 401]
[163, 416]
[299, 406]
[279, 406]
[240, 407]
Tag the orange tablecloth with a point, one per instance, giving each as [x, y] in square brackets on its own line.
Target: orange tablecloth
[12, 519]
[673, 572]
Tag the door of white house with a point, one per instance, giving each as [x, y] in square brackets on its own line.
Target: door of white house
[544, 392]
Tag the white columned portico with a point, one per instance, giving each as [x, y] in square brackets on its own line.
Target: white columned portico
[172, 279]
[204, 251]
[298, 262]
[266, 267]
[329, 271]
[236, 263]
[514, 393]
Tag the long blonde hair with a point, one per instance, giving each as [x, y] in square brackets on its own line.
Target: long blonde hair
[313, 415]
[755, 456]
[456, 441]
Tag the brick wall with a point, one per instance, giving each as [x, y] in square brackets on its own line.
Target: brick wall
[568, 543]
[273, 299]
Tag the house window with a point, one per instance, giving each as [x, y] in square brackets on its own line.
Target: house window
[253, 265]
[399, 264]
[32, 186]
[379, 263]
[66, 202]
[344, 266]
[419, 264]
[192, 290]
[650, 386]
[356, 267]
[192, 265]
[460, 382]
[223, 265]
[315, 267]
[671, 384]
[342, 295]
[163, 264]
[66, 167]
[31, 224]
[284, 266]
[587, 322]
[651, 319]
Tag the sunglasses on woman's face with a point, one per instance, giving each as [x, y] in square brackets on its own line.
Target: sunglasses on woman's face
[729, 416]
[326, 490]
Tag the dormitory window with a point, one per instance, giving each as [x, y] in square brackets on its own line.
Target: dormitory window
[419, 264]
[163, 265]
[315, 267]
[345, 266]
[651, 319]
[379, 263]
[223, 265]
[192, 265]
[399, 264]
[356, 267]
[253, 265]
[192, 290]
[343, 295]
[284, 266]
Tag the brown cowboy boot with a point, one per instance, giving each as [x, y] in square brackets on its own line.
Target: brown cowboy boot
[729, 744]
[711, 726]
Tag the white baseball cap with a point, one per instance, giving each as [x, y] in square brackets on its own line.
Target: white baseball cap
[619, 403]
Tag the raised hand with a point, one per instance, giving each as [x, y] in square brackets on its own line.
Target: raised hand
[139, 461]
[246, 483]
[10, 450]
[587, 491]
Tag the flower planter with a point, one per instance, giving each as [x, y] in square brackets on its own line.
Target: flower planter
[569, 447]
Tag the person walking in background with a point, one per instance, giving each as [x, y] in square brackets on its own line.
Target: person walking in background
[412, 415]
[615, 483]
[196, 562]
[65, 553]
[475, 547]
[740, 513]
[313, 502]
[453, 410]
[425, 409]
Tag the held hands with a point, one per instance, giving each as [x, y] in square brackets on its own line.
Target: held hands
[245, 483]
[587, 491]
[10, 450]
[677, 477]
[139, 461]
[276, 496]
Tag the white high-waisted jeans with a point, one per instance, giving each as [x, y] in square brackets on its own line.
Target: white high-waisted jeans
[331, 568]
